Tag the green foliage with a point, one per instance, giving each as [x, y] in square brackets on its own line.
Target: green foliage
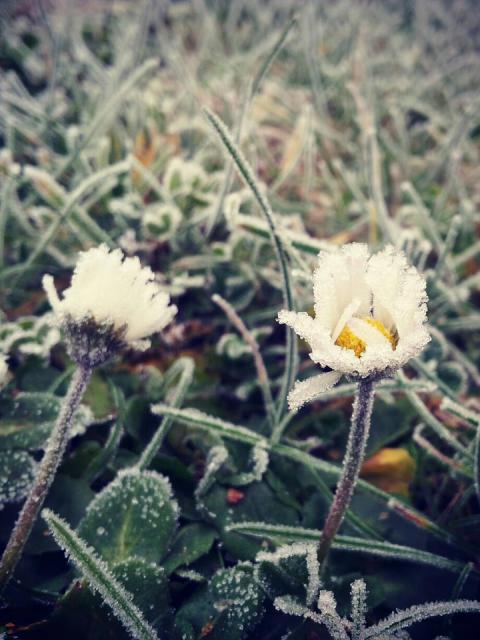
[134, 516]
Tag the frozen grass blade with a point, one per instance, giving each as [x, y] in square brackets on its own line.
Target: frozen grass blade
[281, 534]
[195, 418]
[403, 619]
[99, 577]
[70, 203]
[186, 367]
[237, 433]
[247, 173]
[253, 87]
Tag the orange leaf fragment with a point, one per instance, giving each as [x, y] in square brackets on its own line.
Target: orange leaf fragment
[390, 469]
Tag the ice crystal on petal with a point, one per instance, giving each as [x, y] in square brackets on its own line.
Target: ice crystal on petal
[115, 294]
[370, 315]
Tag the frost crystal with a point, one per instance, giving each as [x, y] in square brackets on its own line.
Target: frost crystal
[113, 296]
[370, 314]
[3, 370]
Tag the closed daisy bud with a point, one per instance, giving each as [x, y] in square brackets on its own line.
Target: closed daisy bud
[112, 303]
[370, 315]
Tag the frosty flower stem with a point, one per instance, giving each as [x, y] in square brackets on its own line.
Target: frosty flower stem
[357, 440]
[54, 450]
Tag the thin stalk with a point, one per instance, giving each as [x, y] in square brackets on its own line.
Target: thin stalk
[54, 450]
[262, 373]
[357, 440]
[279, 246]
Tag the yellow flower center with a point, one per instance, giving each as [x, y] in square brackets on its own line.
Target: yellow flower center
[348, 340]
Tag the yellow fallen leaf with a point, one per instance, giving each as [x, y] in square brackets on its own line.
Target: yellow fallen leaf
[390, 469]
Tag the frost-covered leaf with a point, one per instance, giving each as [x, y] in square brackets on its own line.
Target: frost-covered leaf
[17, 470]
[291, 569]
[27, 419]
[135, 515]
[257, 498]
[229, 607]
[191, 542]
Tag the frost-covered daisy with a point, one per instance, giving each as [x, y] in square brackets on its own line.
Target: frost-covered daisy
[112, 302]
[370, 314]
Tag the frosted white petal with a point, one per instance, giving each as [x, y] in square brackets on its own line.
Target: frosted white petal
[307, 390]
[115, 290]
[367, 333]
[339, 279]
[346, 316]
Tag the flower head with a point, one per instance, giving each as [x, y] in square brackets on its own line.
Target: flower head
[370, 314]
[112, 302]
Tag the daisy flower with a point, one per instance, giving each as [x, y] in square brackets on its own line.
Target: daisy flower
[370, 315]
[113, 302]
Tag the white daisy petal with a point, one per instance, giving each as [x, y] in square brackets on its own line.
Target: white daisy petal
[346, 316]
[368, 333]
[307, 390]
[113, 290]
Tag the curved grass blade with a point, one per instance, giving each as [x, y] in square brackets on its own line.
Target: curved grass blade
[285, 534]
[402, 619]
[99, 577]
[68, 208]
[186, 367]
[239, 433]
[247, 173]
[252, 89]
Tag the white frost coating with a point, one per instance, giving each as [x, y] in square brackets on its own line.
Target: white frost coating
[3, 370]
[393, 626]
[99, 577]
[113, 290]
[217, 456]
[118, 484]
[351, 286]
[358, 590]
[305, 549]
[406, 617]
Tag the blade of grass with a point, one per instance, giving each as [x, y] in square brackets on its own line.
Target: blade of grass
[247, 173]
[285, 535]
[99, 577]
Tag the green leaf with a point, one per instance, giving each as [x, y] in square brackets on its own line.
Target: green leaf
[98, 396]
[28, 418]
[100, 578]
[17, 470]
[191, 542]
[135, 515]
[230, 607]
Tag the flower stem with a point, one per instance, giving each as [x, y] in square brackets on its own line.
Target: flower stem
[357, 440]
[54, 450]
